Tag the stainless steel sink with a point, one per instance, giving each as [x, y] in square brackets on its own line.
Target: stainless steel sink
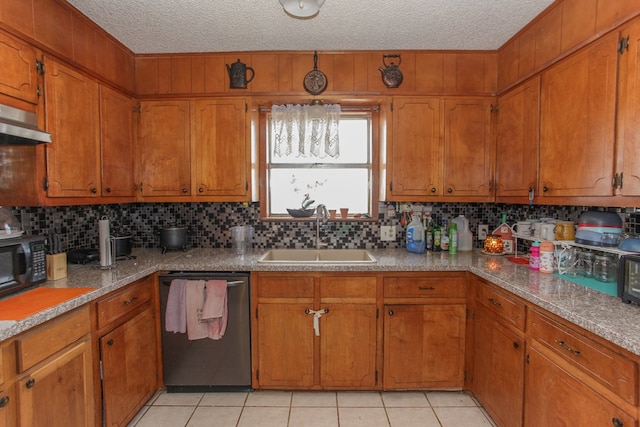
[318, 256]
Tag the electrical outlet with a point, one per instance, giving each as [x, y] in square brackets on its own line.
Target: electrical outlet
[483, 230]
[388, 233]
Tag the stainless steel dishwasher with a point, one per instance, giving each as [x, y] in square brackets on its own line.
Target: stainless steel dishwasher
[206, 364]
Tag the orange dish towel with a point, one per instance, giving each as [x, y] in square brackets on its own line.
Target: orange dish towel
[215, 308]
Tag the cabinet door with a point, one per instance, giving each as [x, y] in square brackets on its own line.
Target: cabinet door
[517, 141]
[468, 148]
[415, 149]
[8, 406]
[129, 366]
[629, 115]
[73, 119]
[577, 122]
[554, 397]
[164, 148]
[59, 391]
[117, 143]
[18, 74]
[424, 346]
[348, 346]
[221, 148]
[498, 380]
[285, 346]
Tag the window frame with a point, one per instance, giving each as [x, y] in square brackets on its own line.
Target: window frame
[376, 144]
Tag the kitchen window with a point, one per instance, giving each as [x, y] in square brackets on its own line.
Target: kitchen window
[348, 180]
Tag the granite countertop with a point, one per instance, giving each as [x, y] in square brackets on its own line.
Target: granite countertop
[602, 314]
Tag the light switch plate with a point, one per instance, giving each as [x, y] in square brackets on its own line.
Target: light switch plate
[483, 230]
[388, 233]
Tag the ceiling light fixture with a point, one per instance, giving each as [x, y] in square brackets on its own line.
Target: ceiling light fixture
[302, 8]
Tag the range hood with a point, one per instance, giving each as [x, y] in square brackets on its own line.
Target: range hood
[19, 127]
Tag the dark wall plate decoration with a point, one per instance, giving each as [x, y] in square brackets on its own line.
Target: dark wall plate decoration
[315, 82]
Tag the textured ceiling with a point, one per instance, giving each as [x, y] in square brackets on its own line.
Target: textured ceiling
[172, 26]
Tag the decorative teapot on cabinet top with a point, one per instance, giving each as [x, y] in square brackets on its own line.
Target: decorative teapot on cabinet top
[391, 74]
[238, 75]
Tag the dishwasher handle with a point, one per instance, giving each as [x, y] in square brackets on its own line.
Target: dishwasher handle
[230, 283]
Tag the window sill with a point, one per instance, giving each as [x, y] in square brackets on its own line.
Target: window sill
[313, 219]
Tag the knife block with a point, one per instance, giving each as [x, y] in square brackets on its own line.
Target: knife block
[57, 266]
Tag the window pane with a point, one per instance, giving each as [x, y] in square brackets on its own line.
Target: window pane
[336, 188]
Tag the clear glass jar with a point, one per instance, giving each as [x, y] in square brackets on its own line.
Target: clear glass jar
[605, 268]
[587, 263]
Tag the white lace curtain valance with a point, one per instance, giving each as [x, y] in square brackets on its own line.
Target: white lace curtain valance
[305, 130]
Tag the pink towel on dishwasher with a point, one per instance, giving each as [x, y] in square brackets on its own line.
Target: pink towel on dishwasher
[197, 328]
[215, 308]
[175, 317]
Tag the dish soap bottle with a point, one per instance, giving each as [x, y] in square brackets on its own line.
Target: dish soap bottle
[415, 236]
[444, 237]
[453, 238]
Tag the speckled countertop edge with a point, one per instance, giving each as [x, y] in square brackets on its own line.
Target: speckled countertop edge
[604, 315]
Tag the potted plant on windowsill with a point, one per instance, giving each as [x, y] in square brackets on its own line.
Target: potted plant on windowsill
[304, 211]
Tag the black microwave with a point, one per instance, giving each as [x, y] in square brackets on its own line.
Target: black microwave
[22, 263]
[629, 278]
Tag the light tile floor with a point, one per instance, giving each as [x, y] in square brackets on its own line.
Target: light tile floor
[313, 409]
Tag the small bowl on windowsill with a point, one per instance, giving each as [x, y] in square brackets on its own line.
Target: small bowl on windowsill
[301, 213]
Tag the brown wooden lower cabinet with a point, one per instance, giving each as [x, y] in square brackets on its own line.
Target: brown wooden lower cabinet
[554, 396]
[498, 366]
[424, 346]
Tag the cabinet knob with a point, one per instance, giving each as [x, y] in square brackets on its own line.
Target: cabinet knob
[433, 189]
[94, 190]
[110, 342]
[516, 345]
[391, 313]
[4, 400]
[617, 423]
[30, 383]
[108, 190]
[449, 190]
[200, 190]
[545, 189]
[184, 190]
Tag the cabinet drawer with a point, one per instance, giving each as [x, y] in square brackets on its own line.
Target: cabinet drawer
[123, 302]
[53, 336]
[609, 368]
[348, 287]
[504, 306]
[432, 286]
[285, 287]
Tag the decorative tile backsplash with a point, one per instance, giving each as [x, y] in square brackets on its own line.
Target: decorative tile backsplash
[210, 223]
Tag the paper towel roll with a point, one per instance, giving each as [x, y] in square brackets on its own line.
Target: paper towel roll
[104, 238]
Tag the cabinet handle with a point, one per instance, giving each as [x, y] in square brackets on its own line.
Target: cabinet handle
[200, 190]
[449, 190]
[4, 400]
[566, 347]
[131, 300]
[108, 190]
[30, 383]
[426, 288]
[494, 302]
[433, 189]
[617, 423]
[94, 190]
[110, 342]
[391, 313]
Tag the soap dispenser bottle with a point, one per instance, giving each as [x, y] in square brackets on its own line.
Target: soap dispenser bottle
[415, 235]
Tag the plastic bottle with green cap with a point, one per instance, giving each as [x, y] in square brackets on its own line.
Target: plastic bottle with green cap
[453, 238]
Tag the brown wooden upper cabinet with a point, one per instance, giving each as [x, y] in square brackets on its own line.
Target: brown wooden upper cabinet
[117, 143]
[165, 156]
[221, 166]
[440, 149]
[18, 74]
[577, 122]
[517, 133]
[73, 119]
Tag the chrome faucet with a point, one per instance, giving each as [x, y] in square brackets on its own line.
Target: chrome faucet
[321, 213]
